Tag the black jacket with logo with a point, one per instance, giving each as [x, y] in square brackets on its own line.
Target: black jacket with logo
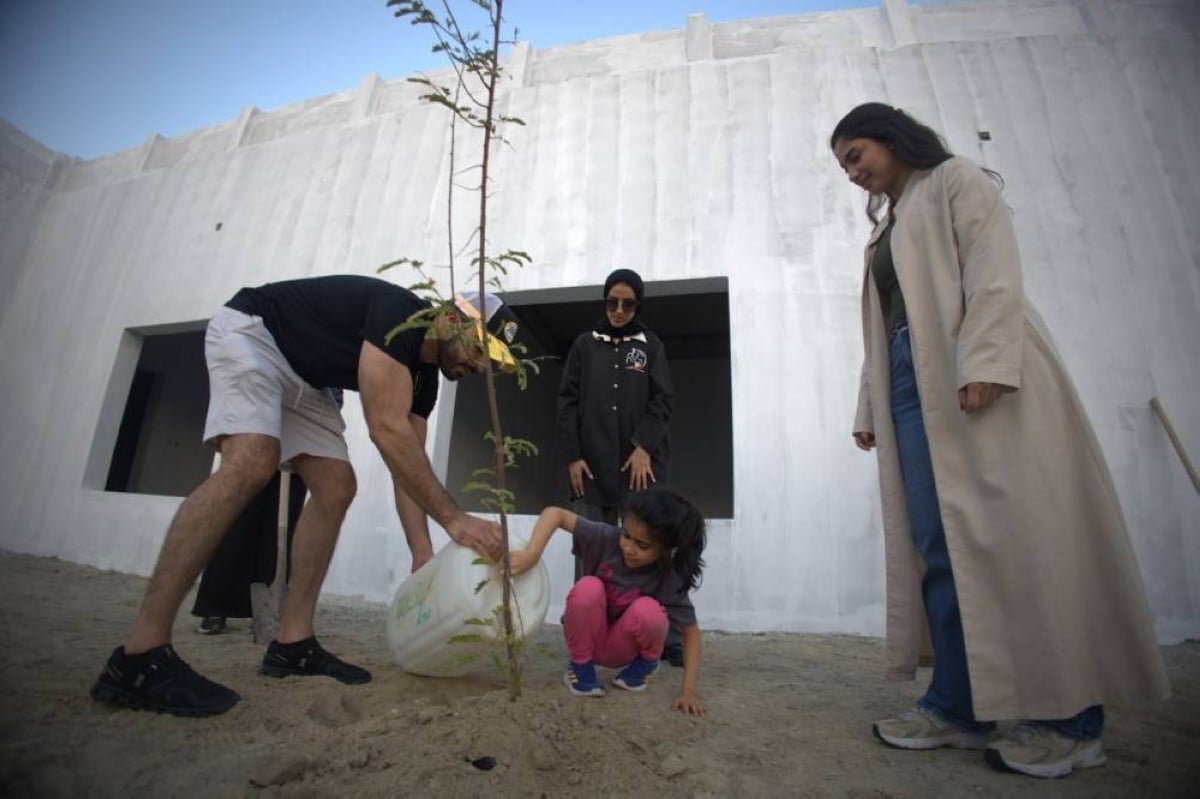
[615, 394]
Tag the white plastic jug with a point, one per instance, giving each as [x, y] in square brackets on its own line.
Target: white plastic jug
[433, 605]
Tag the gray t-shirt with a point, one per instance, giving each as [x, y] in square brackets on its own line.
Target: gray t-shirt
[598, 547]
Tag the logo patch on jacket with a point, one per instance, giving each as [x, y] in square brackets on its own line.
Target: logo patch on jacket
[636, 360]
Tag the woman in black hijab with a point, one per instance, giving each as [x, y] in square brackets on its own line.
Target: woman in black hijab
[614, 405]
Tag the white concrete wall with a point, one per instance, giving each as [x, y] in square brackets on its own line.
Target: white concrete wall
[689, 153]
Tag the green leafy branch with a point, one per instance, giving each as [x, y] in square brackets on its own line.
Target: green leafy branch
[475, 62]
[496, 497]
[476, 66]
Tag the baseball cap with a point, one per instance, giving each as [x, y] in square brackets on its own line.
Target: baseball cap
[501, 322]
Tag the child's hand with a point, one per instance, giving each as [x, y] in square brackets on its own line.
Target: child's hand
[689, 704]
[521, 561]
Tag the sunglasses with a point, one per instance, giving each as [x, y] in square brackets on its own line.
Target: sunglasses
[615, 304]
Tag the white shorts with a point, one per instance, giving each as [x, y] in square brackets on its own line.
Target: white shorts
[253, 389]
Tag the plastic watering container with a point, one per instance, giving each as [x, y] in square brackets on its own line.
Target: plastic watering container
[433, 605]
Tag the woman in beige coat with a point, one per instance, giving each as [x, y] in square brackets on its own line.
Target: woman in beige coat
[1003, 534]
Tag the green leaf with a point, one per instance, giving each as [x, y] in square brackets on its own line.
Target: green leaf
[480, 585]
[465, 638]
[515, 257]
[420, 319]
[520, 446]
[400, 262]
[478, 622]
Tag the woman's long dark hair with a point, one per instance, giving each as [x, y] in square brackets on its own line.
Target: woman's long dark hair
[677, 527]
[914, 144]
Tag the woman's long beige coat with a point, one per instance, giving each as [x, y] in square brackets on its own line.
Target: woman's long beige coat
[1053, 609]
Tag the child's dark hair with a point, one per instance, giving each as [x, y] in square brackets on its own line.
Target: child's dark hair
[915, 144]
[677, 527]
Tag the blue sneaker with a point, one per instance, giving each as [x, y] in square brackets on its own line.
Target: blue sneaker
[635, 676]
[580, 679]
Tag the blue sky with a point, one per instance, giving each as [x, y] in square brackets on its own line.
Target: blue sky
[89, 78]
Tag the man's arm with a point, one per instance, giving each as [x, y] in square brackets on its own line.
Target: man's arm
[385, 386]
[412, 517]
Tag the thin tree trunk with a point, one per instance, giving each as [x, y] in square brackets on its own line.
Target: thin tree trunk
[514, 677]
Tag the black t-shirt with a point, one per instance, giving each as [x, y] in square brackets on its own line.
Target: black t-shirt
[320, 324]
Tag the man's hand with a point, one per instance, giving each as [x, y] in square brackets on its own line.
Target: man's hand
[975, 397]
[640, 473]
[480, 535]
[864, 441]
[577, 469]
[420, 560]
[521, 560]
[689, 704]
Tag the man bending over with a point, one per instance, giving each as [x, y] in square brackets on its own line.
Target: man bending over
[274, 354]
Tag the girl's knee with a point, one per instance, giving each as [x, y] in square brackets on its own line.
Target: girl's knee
[589, 589]
[650, 614]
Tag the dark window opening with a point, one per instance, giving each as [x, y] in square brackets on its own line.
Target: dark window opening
[125, 451]
[158, 448]
[692, 319]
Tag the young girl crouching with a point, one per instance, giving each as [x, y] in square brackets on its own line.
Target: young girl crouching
[636, 583]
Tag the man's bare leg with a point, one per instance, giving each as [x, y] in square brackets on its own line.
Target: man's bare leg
[248, 462]
[331, 487]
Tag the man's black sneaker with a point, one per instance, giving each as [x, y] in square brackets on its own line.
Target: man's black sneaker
[673, 654]
[307, 657]
[160, 680]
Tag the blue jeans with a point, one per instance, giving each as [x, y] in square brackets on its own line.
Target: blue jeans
[949, 692]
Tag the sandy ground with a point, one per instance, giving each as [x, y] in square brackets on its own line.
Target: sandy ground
[789, 716]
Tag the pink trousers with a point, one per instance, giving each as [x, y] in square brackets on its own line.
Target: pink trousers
[640, 630]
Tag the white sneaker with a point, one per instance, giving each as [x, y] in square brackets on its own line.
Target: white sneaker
[1039, 751]
[922, 728]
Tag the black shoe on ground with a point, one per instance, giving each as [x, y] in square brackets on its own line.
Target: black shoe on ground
[673, 654]
[211, 625]
[160, 680]
[307, 657]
